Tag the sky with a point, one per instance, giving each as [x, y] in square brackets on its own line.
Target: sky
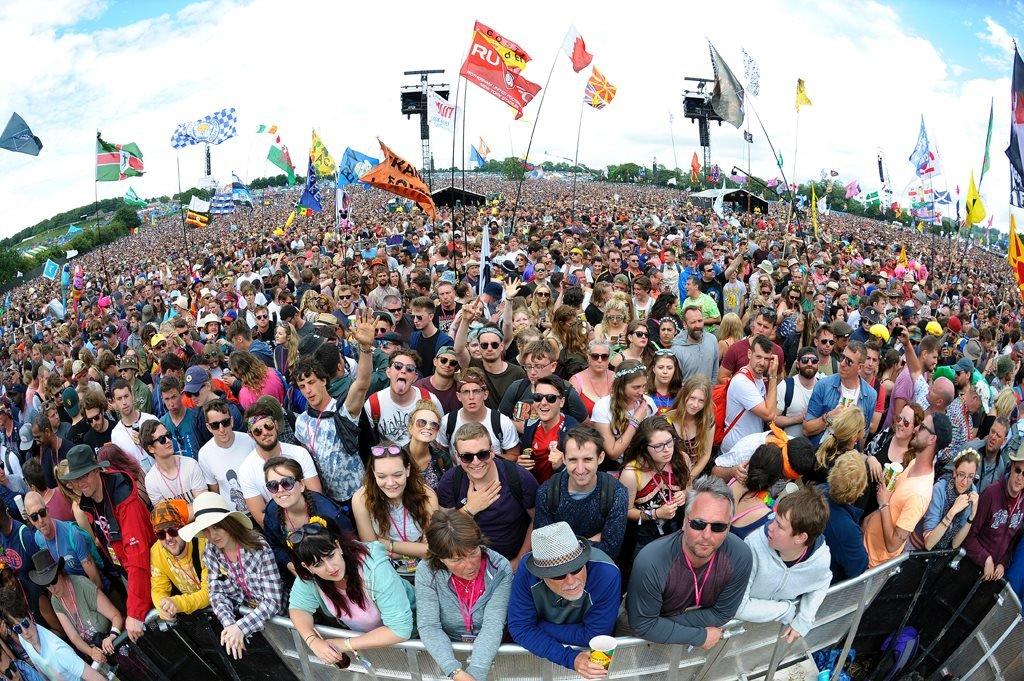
[136, 69]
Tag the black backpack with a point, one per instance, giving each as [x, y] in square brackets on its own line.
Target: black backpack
[515, 485]
[453, 418]
[606, 482]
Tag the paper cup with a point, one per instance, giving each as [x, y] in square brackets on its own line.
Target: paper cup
[602, 650]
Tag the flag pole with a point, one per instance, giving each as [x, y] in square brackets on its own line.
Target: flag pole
[672, 134]
[181, 208]
[576, 158]
[455, 132]
[465, 230]
[96, 218]
[529, 144]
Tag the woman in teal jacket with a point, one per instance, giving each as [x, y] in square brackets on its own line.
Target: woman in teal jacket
[352, 583]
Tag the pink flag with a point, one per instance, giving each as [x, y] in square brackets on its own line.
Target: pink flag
[852, 189]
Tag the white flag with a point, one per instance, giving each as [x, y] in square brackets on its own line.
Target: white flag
[441, 112]
[719, 205]
[197, 205]
[485, 260]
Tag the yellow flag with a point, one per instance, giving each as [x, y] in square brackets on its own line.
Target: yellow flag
[801, 94]
[322, 160]
[975, 208]
[1015, 253]
[814, 210]
[290, 220]
[920, 227]
[901, 259]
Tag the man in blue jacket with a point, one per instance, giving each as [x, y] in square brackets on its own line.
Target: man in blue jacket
[565, 592]
[832, 394]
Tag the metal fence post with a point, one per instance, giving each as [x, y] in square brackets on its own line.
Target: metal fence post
[300, 650]
[773, 664]
[854, 625]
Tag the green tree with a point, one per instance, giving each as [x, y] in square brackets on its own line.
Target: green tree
[512, 169]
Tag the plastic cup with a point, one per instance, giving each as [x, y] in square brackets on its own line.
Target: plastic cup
[891, 472]
[602, 650]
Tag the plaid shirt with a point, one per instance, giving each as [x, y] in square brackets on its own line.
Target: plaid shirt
[262, 579]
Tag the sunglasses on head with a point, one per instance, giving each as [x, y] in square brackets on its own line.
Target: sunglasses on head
[307, 530]
[700, 525]
[169, 533]
[482, 455]
[545, 397]
[287, 484]
[381, 451]
[217, 425]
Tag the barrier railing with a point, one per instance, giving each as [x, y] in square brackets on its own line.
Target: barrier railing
[995, 650]
[747, 650]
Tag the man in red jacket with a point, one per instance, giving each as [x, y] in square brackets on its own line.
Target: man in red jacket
[997, 523]
[121, 522]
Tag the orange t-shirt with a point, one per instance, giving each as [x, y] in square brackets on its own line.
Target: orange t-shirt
[907, 506]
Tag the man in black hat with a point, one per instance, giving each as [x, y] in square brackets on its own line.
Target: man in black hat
[120, 521]
[570, 586]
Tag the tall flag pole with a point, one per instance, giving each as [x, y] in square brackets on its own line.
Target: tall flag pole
[802, 100]
[986, 161]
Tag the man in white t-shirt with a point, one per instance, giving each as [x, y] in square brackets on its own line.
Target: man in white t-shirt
[126, 433]
[263, 430]
[472, 393]
[221, 457]
[749, 403]
[389, 409]
[797, 389]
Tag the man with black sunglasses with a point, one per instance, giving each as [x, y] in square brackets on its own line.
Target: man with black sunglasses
[687, 585]
[427, 339]
[63, 539]
[441, 382]
[221, 457]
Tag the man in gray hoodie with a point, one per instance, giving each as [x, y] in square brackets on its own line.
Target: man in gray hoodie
[790, 573]
[696, 351]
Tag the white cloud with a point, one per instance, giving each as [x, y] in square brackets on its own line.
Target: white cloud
[998, 37]
[338, 67]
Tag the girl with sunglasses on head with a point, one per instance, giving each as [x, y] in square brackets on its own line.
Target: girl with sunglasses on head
[656, 476]
[242, 571]
[462, 594]
[594, 382]
[663, 380]
[172, 476]
[637, 345]
[618, 416]
[353, 584]
[291, 506]
[426, 456]
[693, 417]
[394, 505]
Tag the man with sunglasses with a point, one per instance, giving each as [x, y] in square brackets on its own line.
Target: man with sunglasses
[795, 393]
[834, 393]
[221, 457]
[998, 524]
[825, 345]
[564, 593]
[177, 564]
[687, 585]
[52, 448]
[540, 361]
[126, 431]
[63, 539]
[500, 375]
[389, 408]
[441, 382]
[427, 339]
[498, 494]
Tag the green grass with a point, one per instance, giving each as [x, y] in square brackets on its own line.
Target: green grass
[45, 238]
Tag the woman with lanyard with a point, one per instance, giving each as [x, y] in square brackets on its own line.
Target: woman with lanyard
[617, 417]
[656, 477]
[595, 381]
[242, 571]
[462, 594]
[664, 380]
[426, 455]
[353, 584]
[172, 476]
[393, 506]
[291, 506]
[89, 620]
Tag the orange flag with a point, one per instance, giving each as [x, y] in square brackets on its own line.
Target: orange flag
[396, 175]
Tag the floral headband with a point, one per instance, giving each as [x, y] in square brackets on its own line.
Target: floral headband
[622, 373]
[301, 533]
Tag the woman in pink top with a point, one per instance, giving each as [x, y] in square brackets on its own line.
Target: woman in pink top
[256, 377]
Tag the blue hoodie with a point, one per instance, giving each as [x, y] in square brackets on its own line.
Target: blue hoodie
[322, 506]
[845, 540]
[262, 351]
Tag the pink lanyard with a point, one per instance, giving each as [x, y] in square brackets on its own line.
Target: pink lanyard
[667, 485]
[697, 590]
[238, 572]
[316, 431]
[1013, 509]
[402, 533]
[472, 595]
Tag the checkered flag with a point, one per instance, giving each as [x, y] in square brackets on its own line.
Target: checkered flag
[212, 129]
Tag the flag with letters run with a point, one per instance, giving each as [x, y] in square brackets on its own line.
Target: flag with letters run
[495, 65]
[397, 176]
[213, 129]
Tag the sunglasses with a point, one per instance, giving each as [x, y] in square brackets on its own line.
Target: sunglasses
[847, 360]
[542, 294]
[380, 451]
[41, 513]
[287, 484]
[22, 626]
[599, 356]
[419, 317]
[381, 331]
[615, 318]
[490, 345]
[307, 530]
[163, 439]
[399, 366]
[424, 423]
[94, 419]
[169, 533]
[545, 397]
[395, 311]
[480, 456]
[826, 341]
[573, 573]
[217, 425]
[810, 359]
[262, 316]
[445, 361]
[160, 346]
[700, 525]
[269, 428]
[1017, 470]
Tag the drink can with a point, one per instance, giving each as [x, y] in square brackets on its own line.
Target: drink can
[602, 650]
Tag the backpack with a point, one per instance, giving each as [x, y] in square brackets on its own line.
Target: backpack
[374, 401]
[515, 485]
[719, 395]
[453, 418]
[606, 482]
[788, 397]
[898, 650]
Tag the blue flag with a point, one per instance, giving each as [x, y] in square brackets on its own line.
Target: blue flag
[239, 192]
[475, 158]
[922, 157]
[212, 129]
[50, 270]
[221, 203]
[311, 194]
[354, 164]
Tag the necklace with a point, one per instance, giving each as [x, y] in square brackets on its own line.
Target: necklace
[593, 386]
[176, 478]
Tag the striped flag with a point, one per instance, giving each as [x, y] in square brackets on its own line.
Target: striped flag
[485, 260]
[221, 204]
[117, 161]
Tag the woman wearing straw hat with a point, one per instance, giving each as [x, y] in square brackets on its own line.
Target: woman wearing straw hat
[241, 566]
[90, 621]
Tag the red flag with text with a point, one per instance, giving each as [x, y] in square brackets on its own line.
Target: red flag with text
[487, 65]
[396, 175]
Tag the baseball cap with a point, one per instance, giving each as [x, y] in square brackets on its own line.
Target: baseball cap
[69, 398]
[943, 431]
[965, 365]
[157, 339]
[391, 337]
[934, 328]
[195, 377]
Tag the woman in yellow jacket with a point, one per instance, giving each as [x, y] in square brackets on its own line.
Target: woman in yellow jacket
[179, 583]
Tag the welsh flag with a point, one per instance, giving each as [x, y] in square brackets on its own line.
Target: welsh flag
[117, 161]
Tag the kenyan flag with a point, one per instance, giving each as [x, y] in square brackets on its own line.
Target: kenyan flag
[117, 161]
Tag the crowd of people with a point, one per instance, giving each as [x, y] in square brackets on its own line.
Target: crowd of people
[632, 416]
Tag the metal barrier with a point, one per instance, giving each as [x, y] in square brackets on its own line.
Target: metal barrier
[747, 650]
[995, 650]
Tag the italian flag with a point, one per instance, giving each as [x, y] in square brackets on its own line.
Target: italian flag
[117, 161]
